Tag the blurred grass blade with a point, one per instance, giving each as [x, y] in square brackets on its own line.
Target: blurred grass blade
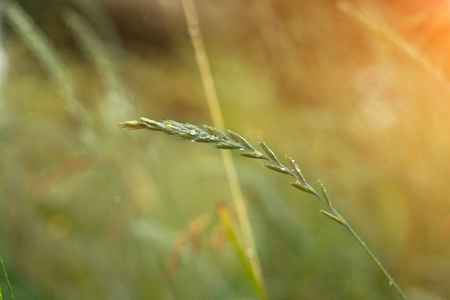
[43, 49]
[7, 281]
[101, 55]
[47, 55]
[195, 33]
[233, 234]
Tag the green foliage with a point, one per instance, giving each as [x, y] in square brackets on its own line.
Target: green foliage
[88, 212]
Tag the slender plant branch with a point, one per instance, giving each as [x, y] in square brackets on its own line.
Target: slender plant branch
[7, 279]
[233, 141]
[201, 56]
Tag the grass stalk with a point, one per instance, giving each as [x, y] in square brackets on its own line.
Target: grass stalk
[233, 234]
[380, 266]
[233, 141]
[195, 34]
[7, 281]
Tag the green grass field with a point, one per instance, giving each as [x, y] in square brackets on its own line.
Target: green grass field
[358, 95]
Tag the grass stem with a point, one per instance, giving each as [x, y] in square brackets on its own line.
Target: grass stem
[7, 279]
[391, 280]
[195, 34]
[233, 141]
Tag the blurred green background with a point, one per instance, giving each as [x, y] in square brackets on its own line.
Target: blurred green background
[356, 91]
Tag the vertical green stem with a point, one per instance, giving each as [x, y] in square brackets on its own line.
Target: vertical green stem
[7, 279]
